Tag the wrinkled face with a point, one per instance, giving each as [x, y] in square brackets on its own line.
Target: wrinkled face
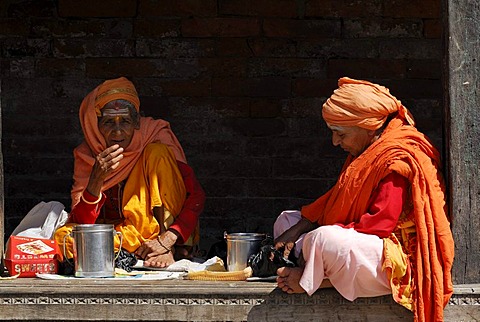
[352, 139]
[117, 123]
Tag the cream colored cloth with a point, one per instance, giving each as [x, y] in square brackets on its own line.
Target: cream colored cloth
[352, 261]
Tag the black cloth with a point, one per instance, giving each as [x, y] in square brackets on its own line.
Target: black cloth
[125, 260]
[266, 262]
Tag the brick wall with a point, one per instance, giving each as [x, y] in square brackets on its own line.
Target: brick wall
[241, 81]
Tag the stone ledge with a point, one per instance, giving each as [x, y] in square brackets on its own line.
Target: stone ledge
[180, 300]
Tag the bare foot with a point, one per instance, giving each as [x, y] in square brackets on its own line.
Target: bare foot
[288, 279]
[160, 261]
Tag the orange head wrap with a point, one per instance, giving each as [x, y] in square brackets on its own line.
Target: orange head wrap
[363, 104]
[115, 89]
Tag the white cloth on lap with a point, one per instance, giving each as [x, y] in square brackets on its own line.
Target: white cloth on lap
[42, 220]
[352, 261]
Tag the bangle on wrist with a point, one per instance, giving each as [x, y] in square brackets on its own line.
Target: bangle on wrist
[165, 247]
[91, 202]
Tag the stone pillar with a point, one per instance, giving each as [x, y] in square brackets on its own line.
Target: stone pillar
[462, 123]
[2, 219]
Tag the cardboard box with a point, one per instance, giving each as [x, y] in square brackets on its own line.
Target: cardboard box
[29, 256]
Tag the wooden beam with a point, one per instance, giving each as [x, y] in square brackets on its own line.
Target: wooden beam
[462, 120]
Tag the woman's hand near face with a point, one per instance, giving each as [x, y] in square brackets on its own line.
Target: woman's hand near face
[105, 162]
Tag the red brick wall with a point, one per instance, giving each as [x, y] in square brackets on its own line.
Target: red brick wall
[241, 81]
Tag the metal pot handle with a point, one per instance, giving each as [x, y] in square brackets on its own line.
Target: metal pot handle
[121, 242]
[65, 249]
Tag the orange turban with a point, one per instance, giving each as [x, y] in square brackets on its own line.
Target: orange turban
[363, 104]
[116, 89]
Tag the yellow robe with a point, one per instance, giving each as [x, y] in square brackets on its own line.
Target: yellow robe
[155, 181]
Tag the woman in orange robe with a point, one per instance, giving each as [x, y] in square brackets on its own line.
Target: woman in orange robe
[131, 172]
[383, 228]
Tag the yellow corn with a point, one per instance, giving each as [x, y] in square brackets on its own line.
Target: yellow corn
[220, 276]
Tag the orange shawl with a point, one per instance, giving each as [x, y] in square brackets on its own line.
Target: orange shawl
[402, 149]
[150, 131]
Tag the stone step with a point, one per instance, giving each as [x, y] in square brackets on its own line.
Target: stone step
[31, 299]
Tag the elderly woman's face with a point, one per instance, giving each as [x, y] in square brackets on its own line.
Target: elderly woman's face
[117, 124]
[352, 139]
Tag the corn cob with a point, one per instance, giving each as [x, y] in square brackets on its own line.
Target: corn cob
[220, 276]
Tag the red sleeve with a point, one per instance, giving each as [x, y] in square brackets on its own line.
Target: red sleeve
[84, 213]
[385, 207]
[187, 220]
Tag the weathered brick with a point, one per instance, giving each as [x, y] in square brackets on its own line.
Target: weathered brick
[258, 126]
[366, 68]
[188, 127]
[304, 107]
[254, 87]
[184, 87]
[343, 8]
[306, 168]
[236, 47]
[374, 28]
[115, 67]
[314, 87]
[175, 48]
[224, 67]
[409, 8]
[317, 147]
[23, 68]
[424, 109]
[93, 48]
[261, 107]
[234, 167]
[24, 47]
[5, 67]
[206, 146]
[220, 27]
[54, 67]
[338, 48]
[414, 88]
[433, 28]
[304, 127]
[288, 67]
[91, 28]
[257, 143]
[46, 145]
[157, 28]
[37, 185]
[224, 187]
[41, 125]
[46, 106]
[326, 28]
[14, 27]
[184, 8]
[429, 69]
[411, 49]
[234, 219]
[268, 47]
[266, 8]
[31, 8]
[40, 166]
[286, 188]
[100, 9]
[209, 108]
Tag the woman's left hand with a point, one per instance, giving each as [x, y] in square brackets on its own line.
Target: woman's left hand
[162, 245]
